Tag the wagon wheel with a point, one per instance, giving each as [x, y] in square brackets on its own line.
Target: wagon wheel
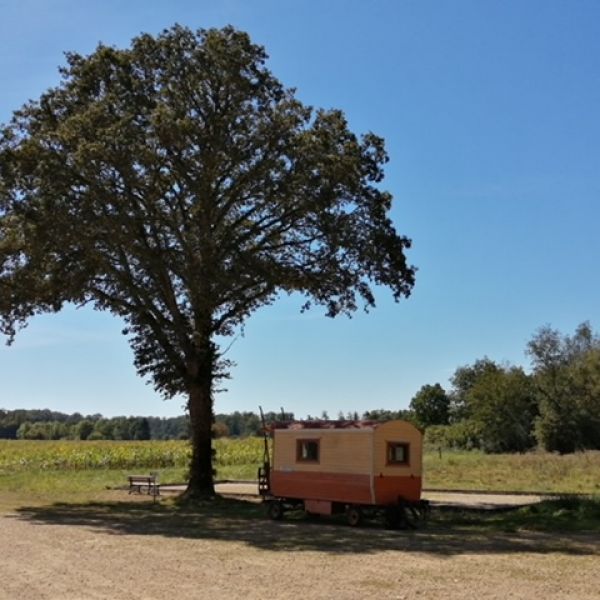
[424, 510]
[353, 515]
[421, 512]
[275, 510]
[392, 517]
[408, 517]
[416, 515]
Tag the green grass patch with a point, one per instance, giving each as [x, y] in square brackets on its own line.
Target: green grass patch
[31, 463]
[563, 514]
[40, 487]
[530, 472]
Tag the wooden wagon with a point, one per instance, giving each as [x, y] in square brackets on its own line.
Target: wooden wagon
[356, 467]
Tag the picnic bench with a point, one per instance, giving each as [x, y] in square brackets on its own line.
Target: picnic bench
[141, 483]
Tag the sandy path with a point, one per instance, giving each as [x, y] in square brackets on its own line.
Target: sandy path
[95, 560]
[457, 499]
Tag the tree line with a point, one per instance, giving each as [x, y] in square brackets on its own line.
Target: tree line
[501, 408]
[51, 425]
[489, 406]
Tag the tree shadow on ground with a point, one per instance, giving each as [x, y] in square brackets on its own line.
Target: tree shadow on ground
[227, 519]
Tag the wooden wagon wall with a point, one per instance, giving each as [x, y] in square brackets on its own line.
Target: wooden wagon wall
[340, 450]
[352, 465]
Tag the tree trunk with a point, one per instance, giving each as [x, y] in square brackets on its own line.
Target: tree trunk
[200, 404]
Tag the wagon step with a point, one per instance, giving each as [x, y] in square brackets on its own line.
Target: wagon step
[264, 486]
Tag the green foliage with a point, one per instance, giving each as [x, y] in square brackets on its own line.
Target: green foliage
[12, 420]
[567, 380]
[463, 435]
[179, 185]
[49, 425]
[492, 407]
[499, 408]
[29, 425]
[241, 424]
[84, 429]
[463, 380]
[383, 414]
[503, 408]
[430, 406]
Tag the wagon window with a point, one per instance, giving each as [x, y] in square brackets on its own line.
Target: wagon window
[397, 453]
[307, 450]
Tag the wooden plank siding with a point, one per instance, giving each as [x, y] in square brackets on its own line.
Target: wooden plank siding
[340, 450]
[352, 467]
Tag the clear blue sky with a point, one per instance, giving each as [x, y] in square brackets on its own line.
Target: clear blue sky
[490, 111]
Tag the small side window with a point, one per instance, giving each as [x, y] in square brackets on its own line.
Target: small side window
[398, 453]
[307, 450]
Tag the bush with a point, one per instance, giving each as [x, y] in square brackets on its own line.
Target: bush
[464, 435]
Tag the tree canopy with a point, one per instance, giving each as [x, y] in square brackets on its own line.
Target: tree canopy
[567, 380]
[501, 408]
[430, 406]
[179, 185]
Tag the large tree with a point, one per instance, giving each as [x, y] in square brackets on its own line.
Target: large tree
[431, 406]
[180, 186]
[567, 378]
[463, 381]
[503, 408]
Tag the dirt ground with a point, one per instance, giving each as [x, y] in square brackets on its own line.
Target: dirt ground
[140, 551]
[457, 499]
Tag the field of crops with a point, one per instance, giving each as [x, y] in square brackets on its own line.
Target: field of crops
[74, 455]
[240, 458]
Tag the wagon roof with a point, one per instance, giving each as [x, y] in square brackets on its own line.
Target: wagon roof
[322, 424]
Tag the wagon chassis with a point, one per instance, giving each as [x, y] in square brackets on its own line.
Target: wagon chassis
[404, 514]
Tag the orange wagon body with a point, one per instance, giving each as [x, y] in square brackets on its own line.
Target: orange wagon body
[358, 463]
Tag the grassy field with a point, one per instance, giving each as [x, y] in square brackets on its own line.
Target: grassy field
[240, 458]
[35, 467]
[43, 473]
[535, 472]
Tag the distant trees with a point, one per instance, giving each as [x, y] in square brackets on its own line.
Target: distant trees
[566, 375]
[490, 406]
[240, 424]
[463, 381]
[500, 408]
[11, 420]
[503, 408]
[84, 429]
[173, 428]
[382, 414]
[431, 406]
[32, 425]
[49, 425]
